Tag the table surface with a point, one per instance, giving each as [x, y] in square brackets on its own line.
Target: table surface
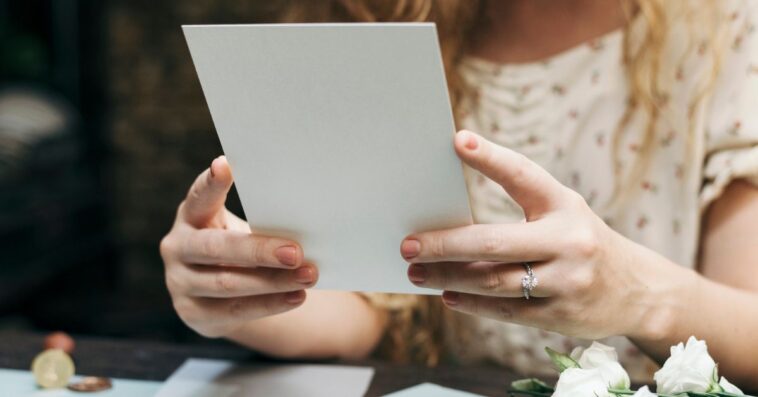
[146, 360]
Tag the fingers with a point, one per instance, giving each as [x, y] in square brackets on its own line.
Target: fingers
[518, 242]
[208, 193]
[532, 312]
[218, 315]
[218, 246]
[481, 278]
[233, 282]
[533, 188]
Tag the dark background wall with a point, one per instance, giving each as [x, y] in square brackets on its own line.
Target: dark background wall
[142, 132]
[161, 134]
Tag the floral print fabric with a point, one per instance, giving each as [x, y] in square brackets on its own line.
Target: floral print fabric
[562, 113]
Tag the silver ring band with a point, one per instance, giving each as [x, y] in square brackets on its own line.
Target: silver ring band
[529, 281]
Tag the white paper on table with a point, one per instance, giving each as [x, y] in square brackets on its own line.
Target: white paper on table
[430, 390]
[339, 136]
[221, 378]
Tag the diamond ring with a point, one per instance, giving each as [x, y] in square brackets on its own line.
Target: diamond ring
[529, 281]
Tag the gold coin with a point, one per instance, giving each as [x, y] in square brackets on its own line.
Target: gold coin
[52, 368]
[91, 384]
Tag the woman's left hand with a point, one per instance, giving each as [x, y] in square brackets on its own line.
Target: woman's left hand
[593, 282]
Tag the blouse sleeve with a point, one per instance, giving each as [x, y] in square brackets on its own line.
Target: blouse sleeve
[732, 119]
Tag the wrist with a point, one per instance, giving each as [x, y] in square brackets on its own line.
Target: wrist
[660, 292]
[665, 323]
[668, 317]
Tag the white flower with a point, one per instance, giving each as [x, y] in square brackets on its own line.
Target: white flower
[689, 369]
[644, 392]
[730, 388]
[579, 382]
[605, 359]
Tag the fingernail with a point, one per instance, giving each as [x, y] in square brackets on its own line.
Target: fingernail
[450, 298]
[305, 275]
[410, 248]
[417, 274]
[287, 255]
[213, 174]
[471, 143]
[294, 297]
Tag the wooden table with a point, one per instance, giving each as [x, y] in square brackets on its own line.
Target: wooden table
[123, 358]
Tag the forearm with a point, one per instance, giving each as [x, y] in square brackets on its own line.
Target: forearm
[683, 303]
[329, 324]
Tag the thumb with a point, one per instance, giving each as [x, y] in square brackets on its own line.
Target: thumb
[208, 193]
[533, 188]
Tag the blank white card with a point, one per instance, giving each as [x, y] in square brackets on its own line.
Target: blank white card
[339, 136]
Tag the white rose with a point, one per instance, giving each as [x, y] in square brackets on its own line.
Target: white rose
[730, 388]
[605, 359]
[689, 369]
[644, 392]
[579, 382]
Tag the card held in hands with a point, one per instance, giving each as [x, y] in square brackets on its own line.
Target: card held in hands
[339, 136]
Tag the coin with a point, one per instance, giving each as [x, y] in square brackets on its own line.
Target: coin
[52, 368]
[91, 384]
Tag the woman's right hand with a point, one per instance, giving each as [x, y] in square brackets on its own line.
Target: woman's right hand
[220, 275]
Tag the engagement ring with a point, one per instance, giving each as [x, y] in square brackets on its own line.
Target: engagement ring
[529, 281]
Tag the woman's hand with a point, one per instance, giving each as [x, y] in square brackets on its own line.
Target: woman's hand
[219, 275]
[592, 282]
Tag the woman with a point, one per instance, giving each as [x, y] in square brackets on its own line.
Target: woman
[634, 202]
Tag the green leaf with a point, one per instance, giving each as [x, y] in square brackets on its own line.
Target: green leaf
[715, 387]
[531, 384]
[621, 392]
[561, 361]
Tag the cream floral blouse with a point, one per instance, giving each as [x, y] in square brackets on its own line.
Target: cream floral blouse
[563, 112]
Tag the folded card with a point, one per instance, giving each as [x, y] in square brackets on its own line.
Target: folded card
[221, 378]
[338, 136]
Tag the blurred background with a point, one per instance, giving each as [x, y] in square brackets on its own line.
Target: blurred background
[103, 127]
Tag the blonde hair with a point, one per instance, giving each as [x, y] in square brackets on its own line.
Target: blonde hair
[415, 333]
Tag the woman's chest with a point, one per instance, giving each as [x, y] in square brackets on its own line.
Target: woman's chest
[570, 124]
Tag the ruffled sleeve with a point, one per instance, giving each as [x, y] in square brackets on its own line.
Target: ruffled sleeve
[732, 119]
